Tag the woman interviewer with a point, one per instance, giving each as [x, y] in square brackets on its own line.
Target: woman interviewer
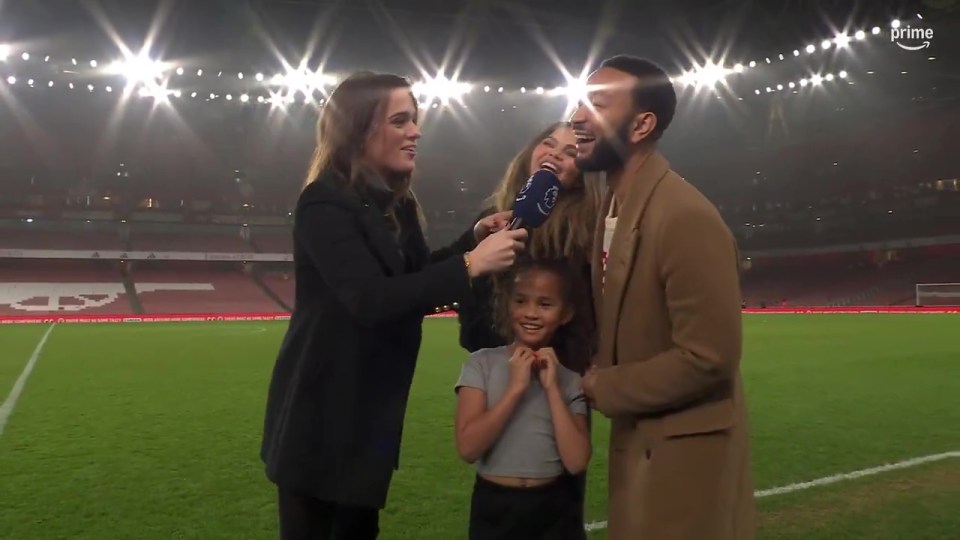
[364, 281]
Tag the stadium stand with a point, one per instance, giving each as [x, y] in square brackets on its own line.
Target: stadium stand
[61, 287]
[272, 240]
[850, 279]
[59, 239]
[170, 287]
[281, 283]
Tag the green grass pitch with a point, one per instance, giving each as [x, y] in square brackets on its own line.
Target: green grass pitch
[151, 431]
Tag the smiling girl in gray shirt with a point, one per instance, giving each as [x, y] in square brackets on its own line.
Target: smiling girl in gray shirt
[521, 416]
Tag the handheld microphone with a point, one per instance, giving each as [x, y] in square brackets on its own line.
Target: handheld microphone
[536, 200]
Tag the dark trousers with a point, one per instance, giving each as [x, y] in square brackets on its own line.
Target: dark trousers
[304, 518]
[548, 512]
[577, 484]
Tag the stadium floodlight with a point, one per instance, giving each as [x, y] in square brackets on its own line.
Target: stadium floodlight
[138, 70]
[706, 76]
[860, 35]
[938, 294]
[442, 88]
[304, 80]
[5, 51]
[842, 40]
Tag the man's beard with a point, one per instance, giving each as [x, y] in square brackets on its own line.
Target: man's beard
[607, 152]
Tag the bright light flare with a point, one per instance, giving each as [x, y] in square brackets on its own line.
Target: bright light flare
[5, 51]
[304, 81]
[441, 88]
[139, 70]
[706, 76]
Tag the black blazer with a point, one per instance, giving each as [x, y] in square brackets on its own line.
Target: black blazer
[339, 390]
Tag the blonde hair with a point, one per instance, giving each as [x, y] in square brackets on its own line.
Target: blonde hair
[568, 232]
[353, 111]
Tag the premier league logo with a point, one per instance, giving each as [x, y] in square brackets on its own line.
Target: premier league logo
[549, 200]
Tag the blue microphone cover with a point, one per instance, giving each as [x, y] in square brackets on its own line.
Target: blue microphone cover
[537, 199]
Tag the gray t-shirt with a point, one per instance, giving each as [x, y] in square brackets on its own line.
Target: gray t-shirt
[526, 447]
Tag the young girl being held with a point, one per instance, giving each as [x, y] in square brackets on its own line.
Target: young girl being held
[521, 415]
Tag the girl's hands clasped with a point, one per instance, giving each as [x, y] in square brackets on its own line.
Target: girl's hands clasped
[521, 364]
[547, 363]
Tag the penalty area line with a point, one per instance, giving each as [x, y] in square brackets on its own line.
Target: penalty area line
[826, 480]
[6, 409]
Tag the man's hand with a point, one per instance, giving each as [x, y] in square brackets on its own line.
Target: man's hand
[491, 224]
[587, 383]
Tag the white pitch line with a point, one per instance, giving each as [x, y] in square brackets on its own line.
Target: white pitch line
[826, 480]
[7, 408]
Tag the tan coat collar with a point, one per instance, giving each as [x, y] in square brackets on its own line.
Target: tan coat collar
[635, 185]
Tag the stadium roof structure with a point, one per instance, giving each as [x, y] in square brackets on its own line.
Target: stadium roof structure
[151, 96]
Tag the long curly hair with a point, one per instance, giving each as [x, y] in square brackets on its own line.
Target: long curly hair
[573, 341]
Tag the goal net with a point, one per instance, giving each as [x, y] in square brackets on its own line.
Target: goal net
[938, 294]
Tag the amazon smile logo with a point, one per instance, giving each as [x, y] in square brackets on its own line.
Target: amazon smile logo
[910, 38]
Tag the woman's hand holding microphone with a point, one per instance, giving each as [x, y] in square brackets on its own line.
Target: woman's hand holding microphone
[491, 224]
[496, 252]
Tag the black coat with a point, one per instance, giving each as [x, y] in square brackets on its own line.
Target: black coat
[339, 390]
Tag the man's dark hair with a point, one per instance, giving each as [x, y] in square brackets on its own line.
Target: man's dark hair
[653, 93]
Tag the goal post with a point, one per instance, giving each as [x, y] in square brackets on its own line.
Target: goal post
[938, 294]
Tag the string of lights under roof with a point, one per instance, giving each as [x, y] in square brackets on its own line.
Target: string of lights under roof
[428, 97]
[148, 78]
